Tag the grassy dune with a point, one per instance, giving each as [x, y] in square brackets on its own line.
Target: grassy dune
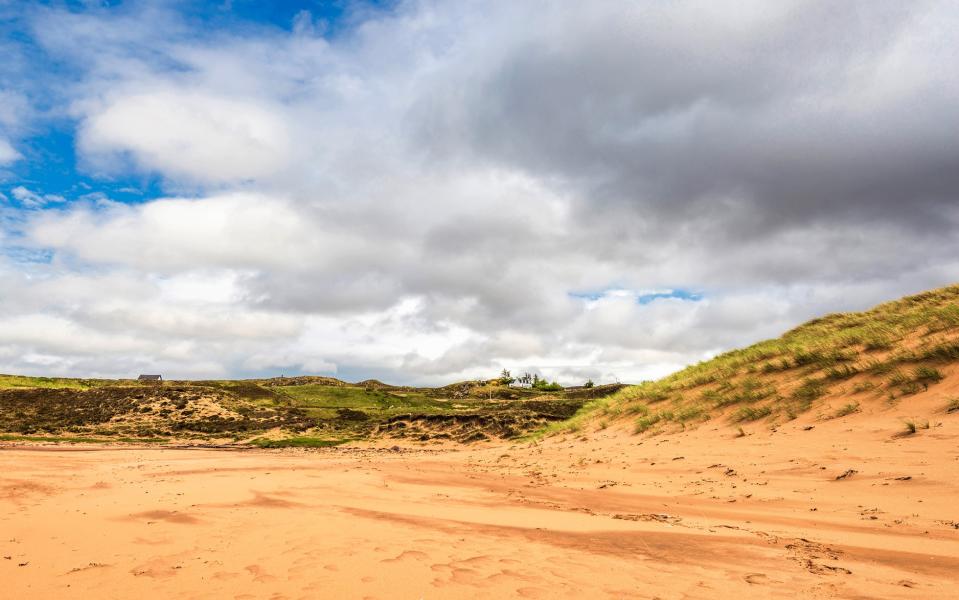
[289, 411]
[885, 354]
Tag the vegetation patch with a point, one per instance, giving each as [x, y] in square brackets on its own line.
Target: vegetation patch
[751, 413]
[645, 423]
[841, 372]
[298, 442]
[808, 391]
[945, 352]
[927, 375]
[912, 426]
[6, 437]
[20, 381]
[690, 413]
[848, 409]
[916, 381]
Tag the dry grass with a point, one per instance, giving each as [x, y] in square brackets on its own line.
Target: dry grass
[848, 409]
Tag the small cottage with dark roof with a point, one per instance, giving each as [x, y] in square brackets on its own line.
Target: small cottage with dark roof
[150, 378]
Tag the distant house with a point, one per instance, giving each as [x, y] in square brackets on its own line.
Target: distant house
[525, 381]
[150, 378]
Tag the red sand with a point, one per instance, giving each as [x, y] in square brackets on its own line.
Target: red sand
[701, 514]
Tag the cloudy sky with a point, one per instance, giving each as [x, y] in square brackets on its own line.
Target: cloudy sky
[427, 191]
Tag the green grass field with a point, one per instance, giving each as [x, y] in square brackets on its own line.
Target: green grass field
[324, 401]
[19, 381]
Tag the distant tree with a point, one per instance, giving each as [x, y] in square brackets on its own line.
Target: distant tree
[505, 378]
[589, 383]
[545, 386]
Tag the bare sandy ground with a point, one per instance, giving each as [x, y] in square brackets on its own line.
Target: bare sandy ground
[701, 514]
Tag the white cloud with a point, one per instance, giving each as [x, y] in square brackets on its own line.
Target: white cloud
[31, 199]
[8, 153]
[235, 230]
[186, 134]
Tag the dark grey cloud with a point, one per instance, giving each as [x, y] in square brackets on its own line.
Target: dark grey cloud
[792, 115]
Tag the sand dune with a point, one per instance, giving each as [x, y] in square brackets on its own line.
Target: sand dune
[701, 514]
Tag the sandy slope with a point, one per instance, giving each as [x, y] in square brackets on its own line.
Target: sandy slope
[696, 515]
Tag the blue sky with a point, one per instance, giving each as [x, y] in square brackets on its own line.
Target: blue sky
[641, 296]
[50, 164]
[425, 191]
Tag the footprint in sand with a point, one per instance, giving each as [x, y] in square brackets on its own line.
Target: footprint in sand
[532, 592]
[475, 560]
[259, 575]
[155, 572]
[407, 555]
[465, 576]
[170, 516]
[508, 575]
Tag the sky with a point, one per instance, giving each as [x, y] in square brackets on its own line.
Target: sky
[429, 191]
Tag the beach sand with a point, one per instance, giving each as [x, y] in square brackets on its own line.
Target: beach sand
[699, 514]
